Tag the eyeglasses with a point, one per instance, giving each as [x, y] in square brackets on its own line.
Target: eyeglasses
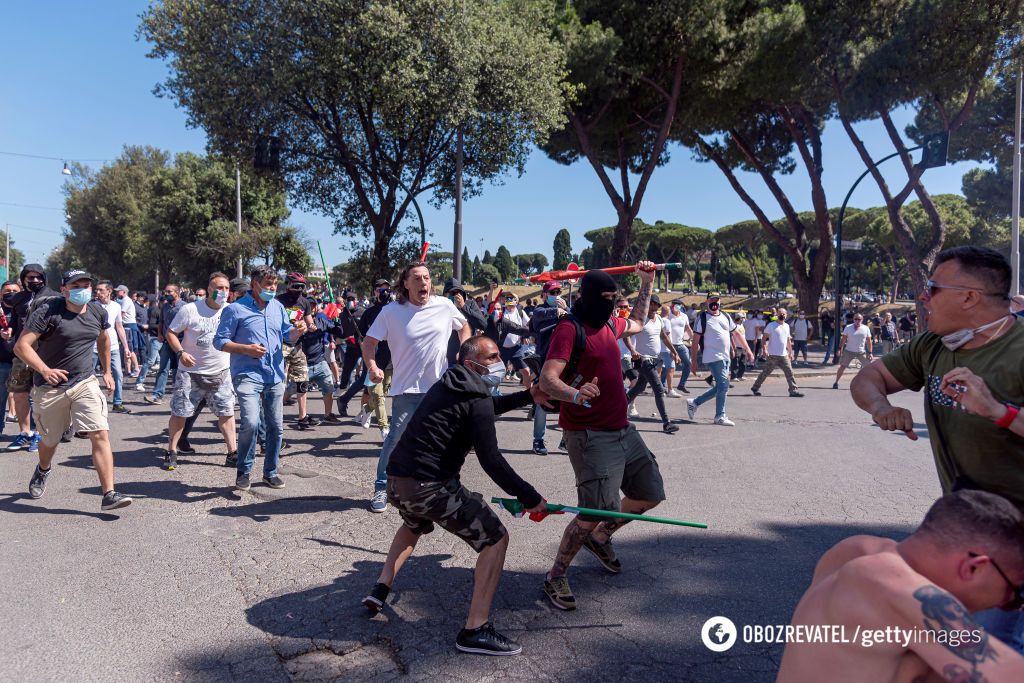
[1018, 591]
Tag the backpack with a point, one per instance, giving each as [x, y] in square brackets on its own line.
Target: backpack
[570, 374]
[703, 318]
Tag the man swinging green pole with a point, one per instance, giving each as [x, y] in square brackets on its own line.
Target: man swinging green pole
[516, 508]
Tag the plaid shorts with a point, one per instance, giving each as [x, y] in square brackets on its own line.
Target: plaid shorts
[295, 369]
[450, 505]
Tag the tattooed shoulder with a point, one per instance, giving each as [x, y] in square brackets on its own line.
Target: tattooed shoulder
[945, 616]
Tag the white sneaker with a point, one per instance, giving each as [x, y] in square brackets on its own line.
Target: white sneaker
[691, 408]
[672, 393]
[364, 418]
[384, 434]
[724, 421]
[379, 501]
[633, 412]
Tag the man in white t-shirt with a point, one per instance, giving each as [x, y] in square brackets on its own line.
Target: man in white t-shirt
[778, 352]
[203, 371]
[104, 291]
[129, 319]
[416, 327]
[753, 329]
[680, 333]
[714, 331]
[802, 329]
[856, 345]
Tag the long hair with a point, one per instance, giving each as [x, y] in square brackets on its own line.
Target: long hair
[402, 294]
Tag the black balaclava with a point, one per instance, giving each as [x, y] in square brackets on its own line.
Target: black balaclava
[33, 268]
[591, 308]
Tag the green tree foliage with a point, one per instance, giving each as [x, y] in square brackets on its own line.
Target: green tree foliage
[146, 213]
[531, 263]
[635, 63]
[505, 265]
[467, 264]
[488, 257]
[366, 96]
[562, 250]
[483, 275]
[17, 257]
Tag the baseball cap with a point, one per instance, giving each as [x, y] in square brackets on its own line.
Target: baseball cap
[552, 284]
[75, 274]
[121, 288]
[452, 285]
[380, 282]
[655, 299]
[714, 295]
[239, 284]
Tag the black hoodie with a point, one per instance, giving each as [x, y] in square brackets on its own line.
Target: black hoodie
[457, 414]
[24, 299]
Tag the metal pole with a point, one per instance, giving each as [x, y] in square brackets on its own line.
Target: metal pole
[457, 242]
[1015, 234]
[238, 213]
[156, 282]
[7, 253]
[327, 273]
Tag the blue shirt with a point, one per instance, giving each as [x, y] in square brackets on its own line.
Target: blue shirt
[243, 322]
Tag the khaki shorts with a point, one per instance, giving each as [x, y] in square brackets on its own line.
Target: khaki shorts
[56, 408]
[20, 379]
[295, 369]
[848, 357]
[605, 462]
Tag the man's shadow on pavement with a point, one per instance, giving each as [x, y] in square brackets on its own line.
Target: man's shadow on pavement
[22, 503]
[671, 585]
[264, 510]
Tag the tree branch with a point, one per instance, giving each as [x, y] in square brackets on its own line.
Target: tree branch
[588, 151]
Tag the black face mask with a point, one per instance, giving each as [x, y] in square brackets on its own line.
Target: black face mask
[8, 299]
[35, 286]
[713, 307]
[169, 298]
[592, 308]
[383, 297]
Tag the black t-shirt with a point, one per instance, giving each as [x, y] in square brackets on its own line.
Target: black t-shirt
[66, 338]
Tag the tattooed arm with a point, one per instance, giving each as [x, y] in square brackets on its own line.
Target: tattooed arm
[957, 648]
[635, 322]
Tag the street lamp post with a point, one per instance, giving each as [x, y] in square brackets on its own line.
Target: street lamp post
[457, 242]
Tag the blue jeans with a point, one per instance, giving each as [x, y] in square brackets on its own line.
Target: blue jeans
[683, 368]
[402, 408]
[540, 423]
[152, 356]
[115, 370]
[830, 349]
[168, 365]
[5, 371]
[256, 398]
[1006, 626]
[720, 371]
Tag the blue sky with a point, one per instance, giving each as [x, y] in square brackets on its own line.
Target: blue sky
[77, 85]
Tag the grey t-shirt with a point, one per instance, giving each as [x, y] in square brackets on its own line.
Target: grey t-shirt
[66, 339]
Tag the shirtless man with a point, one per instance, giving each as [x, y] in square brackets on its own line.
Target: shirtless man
[967, 556]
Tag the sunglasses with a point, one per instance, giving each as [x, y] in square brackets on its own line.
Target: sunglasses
[931, 285]
[1018, 591]
[297, 287]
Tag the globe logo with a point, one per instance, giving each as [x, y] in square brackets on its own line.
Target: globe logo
[718, 634]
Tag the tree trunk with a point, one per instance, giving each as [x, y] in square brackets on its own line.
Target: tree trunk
[623, 237]
[753, 270]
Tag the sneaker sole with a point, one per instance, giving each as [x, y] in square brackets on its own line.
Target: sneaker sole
[482, 651]
[273, 486]
[118, 505]
[242, 488]
[567, 607]
[373, 604]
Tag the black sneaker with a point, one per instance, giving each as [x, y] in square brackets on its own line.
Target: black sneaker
[170, 461]
[300, 425]
[37, 485]
[274, 482]
[332, 419]
[669, 428]
[796, 394]
[231, 460]
[112, 500]
[486, 641]
[185, 447]
[835, 385]
[310, 421]
[539, 448]
[66, 436]
[755, 392]
[604, 553]
[120, 408]
[682, 389]
[242, 482]
[377, 597]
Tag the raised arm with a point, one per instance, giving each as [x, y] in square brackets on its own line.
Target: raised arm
[635, 322]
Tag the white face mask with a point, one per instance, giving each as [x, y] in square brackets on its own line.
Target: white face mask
[954, 340]
[495, 372]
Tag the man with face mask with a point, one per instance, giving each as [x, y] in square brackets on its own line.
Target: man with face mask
[856, 345]
[456, 414]
[542, 325]
[778, 352]
[57, 343]
[296, 369]
[968, 364]
[605, 450]
[170, 304]
[716, 334]
[7, 292]
[19, 383]
[373, 394]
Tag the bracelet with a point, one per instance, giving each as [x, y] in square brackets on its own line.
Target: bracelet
[1008, 417]
[576, 396]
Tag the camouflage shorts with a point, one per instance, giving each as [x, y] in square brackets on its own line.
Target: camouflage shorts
[450, 505]
[295, 369]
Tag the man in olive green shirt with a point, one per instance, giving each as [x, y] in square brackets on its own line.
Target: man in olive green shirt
[971, 364]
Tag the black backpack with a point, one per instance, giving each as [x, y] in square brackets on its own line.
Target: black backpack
[703, 317]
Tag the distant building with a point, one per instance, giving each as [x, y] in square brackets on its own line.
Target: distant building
[318, 273]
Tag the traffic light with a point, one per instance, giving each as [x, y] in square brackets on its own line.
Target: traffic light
[934, 149]
[268, 153]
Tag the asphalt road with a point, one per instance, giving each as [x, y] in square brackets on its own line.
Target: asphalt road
[196, 582]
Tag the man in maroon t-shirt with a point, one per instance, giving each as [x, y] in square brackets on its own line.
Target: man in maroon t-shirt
[606, 452]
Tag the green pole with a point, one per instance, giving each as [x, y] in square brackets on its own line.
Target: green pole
[327, 273]
[515, 507]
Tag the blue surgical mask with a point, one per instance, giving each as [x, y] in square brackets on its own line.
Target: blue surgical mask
[495, 373]
[552, 300]
[80, 297]
[267, 295]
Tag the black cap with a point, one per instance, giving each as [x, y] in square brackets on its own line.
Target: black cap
[655, 299]
[239, 284]
[75, 274]
[453, 285]
[380, 282]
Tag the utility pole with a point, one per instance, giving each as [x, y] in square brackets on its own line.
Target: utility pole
[457, 242]
[156, 281]
[7, 253]
[1015, 233]
[238, 214]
